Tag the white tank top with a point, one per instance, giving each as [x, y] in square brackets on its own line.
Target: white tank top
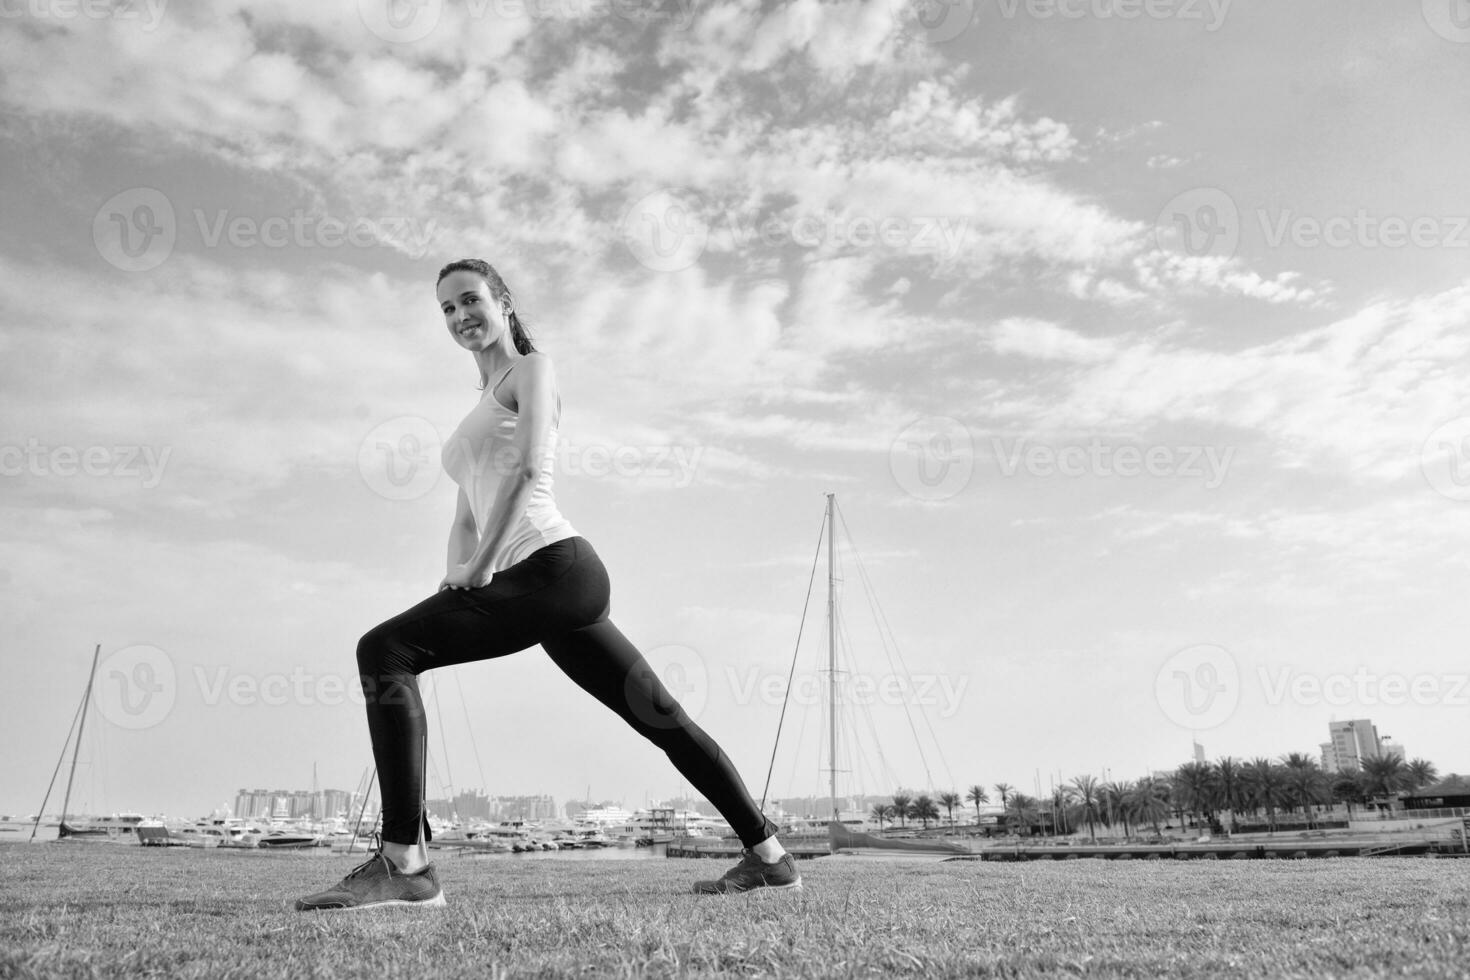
[479, 455]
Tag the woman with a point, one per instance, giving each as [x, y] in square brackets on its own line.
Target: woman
[519, 575]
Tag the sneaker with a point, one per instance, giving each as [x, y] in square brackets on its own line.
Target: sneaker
[376, 882]
[752, 873]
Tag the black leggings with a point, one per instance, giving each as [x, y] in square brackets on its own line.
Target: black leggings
[559, 597]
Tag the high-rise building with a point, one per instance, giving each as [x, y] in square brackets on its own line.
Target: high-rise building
[1351, 743]
[1199, 752]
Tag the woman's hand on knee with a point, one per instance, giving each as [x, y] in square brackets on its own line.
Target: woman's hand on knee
[462, 577]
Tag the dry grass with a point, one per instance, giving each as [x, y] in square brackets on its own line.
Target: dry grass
[111, 911]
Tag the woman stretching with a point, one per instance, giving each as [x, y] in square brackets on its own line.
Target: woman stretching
[519, 575]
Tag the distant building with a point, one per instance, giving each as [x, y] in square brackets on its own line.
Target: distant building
[297, 804]
[1354, 741]
[1199, 752]
[1350, 742]
[506, 808]
[1452, 791]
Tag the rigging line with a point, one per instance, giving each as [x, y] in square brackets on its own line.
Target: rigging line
[433, 767]
[796, 756]
[876, 739]
[885, 769]
[857, 760]
[806, 604]
[473, 744]
[59, 760]
[881, 619]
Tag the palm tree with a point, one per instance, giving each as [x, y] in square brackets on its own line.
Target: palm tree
[1306, 781]
[977, 795]
[949, 801]
[880, 813]
[1115, 797]
[1150, 801]
[1196, 789]
[1087, 801]
[901, 801]
[1004, 789]
[1022, 811]
[1385, 775]
[1268, 786]
[1347, 787]
[1422, 772]
[1230, 779]
[924, 809]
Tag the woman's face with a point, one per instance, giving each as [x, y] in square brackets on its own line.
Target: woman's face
[474, 319]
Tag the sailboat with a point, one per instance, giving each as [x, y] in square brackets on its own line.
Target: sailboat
[121, 827]
[841, 838]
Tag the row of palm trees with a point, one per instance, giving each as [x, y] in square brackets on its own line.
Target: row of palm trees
[1261, 788]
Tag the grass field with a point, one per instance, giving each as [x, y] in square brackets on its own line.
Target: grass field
[115, 911]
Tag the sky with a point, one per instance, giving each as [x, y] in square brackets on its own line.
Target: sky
[1129, 336]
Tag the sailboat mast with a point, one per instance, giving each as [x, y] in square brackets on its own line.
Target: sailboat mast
[81, 724]
[832, 659]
